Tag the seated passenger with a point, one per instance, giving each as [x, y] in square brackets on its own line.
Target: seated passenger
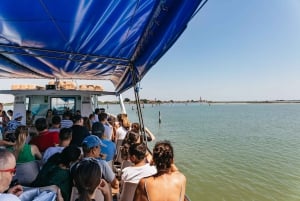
[108, 129]
[167, 179]
[29, 118]
[130, 139]
[65, 137]
[97, 129]
[135, 127]
[44, 139]
[92, 119]
[87, 124]
[109, 150]
[140, 169]
[91, 147]
[13, 124]
[87, 178]
[66, 121]
[79, 132]
[1, 119]
[55, 123]
[48, 117]
[124, 127]
[24, 152]
[10, 114]
[56, 171]
[7, 171]
[4, 119]
[112, 120]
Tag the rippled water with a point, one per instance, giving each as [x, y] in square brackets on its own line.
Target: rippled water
[232, 152]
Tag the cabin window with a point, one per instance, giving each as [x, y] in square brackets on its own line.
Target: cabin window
[38, 109]
[61, 104]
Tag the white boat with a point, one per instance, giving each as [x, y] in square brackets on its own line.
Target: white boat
[118, 41]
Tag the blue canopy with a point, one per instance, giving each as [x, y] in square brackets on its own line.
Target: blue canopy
[89, 39]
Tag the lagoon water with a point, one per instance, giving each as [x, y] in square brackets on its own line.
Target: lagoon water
[231, 152]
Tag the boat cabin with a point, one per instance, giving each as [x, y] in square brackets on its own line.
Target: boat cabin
[59, 97]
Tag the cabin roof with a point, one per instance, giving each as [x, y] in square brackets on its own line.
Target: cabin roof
[89, 39]
[55, 92]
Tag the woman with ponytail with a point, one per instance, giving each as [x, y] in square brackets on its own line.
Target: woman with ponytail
[87, 179]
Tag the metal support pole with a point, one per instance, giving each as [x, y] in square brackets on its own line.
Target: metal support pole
[138, 103]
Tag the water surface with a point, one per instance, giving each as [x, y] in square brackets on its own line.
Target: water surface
[231, 152]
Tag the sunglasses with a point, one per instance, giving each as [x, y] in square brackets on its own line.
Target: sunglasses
[12, 171]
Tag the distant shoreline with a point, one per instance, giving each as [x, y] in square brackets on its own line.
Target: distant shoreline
[233, 102]
[202, 102]
[256, 102]
[216, 102]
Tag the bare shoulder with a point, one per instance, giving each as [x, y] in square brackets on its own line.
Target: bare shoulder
[179, 177]
[141, 183]
[140, 193]
[35, 150]
[34, 147]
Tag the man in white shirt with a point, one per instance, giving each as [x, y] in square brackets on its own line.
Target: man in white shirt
[140, 169]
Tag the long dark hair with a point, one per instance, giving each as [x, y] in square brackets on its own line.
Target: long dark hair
[87, 175]
[130, 139]
[138, 150]
[69, 155]
[163, 155]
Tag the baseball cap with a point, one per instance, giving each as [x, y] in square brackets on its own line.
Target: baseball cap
[18, 115]
[92, 141]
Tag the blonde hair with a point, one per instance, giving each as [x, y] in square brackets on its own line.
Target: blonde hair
[21, 136]
[123, 119]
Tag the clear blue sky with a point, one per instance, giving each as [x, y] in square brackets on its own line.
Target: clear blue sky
[232, 50]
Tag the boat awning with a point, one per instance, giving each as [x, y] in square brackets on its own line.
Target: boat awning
[89, 39]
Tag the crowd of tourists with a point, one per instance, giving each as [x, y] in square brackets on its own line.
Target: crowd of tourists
[99, 157]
